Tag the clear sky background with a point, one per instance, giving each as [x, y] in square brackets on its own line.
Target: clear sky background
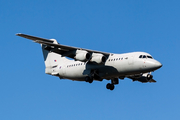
[117, 26]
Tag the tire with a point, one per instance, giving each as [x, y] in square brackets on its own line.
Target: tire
[88, 79]
[112, 87]
[108, 86]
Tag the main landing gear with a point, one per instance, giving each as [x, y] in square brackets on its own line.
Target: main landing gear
[111, 86]
[94, 75]
[89, 79]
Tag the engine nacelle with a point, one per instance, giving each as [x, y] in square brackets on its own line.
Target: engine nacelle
[145, 78]
[82, 55]
[98, 58]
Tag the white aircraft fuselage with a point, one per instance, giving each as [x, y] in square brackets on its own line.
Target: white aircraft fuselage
[116, 66]
[88, 65]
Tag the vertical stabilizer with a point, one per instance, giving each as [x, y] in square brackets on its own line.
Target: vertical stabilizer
[51, 59]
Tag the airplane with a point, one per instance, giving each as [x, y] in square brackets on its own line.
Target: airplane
[79, 64]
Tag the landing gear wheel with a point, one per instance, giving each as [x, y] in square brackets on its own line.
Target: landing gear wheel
[88, 79]
[91, 80]
[110, 86]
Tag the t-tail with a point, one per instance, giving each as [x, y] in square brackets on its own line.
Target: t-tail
[51, 59]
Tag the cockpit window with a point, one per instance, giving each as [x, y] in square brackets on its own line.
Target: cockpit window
[144, 56]
[150, 57]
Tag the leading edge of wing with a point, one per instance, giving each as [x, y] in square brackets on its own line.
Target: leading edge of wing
[50, 43]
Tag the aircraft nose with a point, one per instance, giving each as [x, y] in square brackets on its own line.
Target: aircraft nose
[153, 64]
[157, 65]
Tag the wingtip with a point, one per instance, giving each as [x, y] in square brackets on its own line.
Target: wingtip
[152, 81]
[18, 34]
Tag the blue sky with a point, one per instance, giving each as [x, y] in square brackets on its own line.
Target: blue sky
[116, 26]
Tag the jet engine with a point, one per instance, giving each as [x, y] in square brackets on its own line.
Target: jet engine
[98, 58]
[82, 55]
[145, 78]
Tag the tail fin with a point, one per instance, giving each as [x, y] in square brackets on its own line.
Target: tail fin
[51, 59]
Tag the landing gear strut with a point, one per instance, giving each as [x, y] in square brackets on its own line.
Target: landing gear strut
[111, 86]
[94, 75]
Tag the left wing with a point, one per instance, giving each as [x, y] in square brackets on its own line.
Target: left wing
[68, 51]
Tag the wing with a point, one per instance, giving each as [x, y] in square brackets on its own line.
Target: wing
[64, 50]
[141, 78]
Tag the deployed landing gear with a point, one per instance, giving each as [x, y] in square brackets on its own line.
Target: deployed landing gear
[111, 86]
[94, 75]
[89, 79]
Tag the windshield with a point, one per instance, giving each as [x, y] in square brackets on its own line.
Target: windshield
[146, 56]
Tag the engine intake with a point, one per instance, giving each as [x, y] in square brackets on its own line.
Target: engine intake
[145, 78]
